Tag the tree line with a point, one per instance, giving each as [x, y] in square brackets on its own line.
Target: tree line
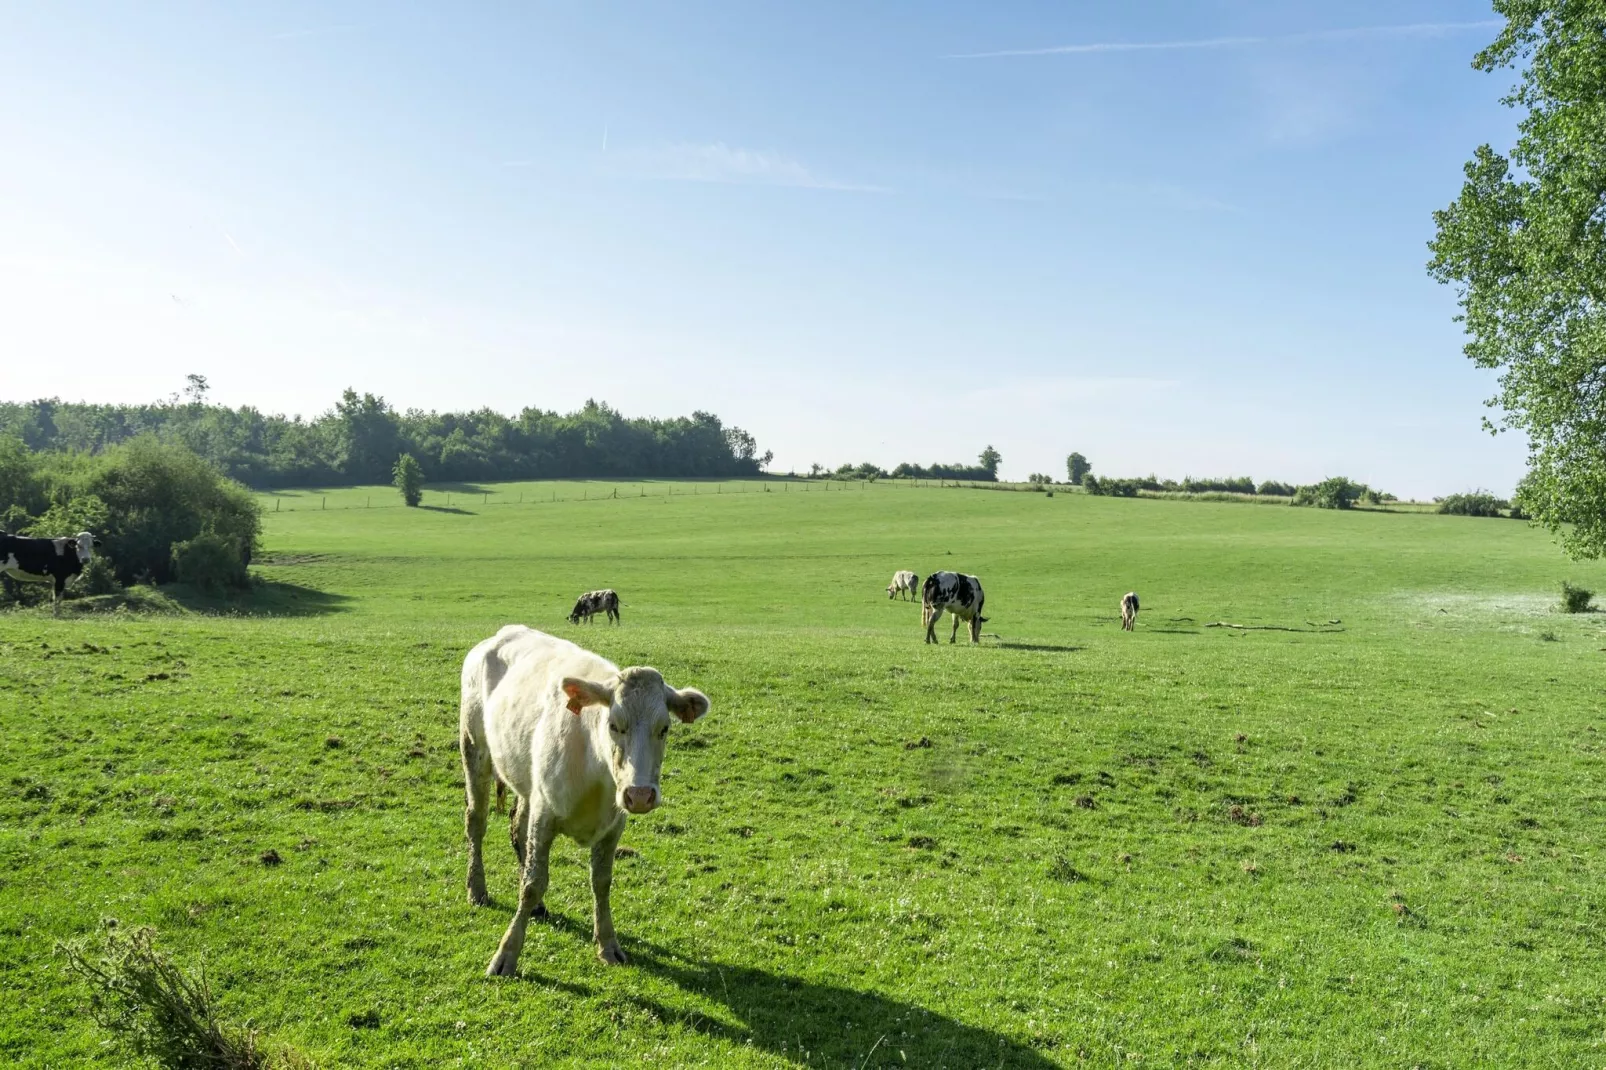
[361, 437]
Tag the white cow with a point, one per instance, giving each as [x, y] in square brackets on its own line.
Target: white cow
[903, 582]
[580, 741]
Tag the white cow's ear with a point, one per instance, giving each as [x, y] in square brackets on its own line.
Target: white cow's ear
[583, 693]
[688, 704]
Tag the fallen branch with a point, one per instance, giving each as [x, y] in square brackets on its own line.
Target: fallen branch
[1315, 628]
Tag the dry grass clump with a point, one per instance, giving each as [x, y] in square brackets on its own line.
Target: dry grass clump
[159, 1011]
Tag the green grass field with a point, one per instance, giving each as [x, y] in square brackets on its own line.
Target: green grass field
[1372, 842]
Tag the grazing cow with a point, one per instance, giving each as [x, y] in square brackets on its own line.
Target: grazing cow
[580, 742]
[46, 560]
[594, 602]
[1129, 610]
[903, 582]
[955, 593]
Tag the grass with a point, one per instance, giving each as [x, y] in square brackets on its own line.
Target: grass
[1294, 843]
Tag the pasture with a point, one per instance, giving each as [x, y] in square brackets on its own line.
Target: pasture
[1298, 843]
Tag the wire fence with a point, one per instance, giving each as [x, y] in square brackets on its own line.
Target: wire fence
[461, 500]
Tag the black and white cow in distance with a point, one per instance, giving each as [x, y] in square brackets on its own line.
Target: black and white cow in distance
[903, 582]
[594, 602]
[52, 561]
[1129, 610]
[581, 743]
[954, 593]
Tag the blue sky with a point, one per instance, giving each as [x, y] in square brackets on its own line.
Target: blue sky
[885, 232]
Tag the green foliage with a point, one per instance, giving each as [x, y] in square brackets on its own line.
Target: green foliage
[98, 577]
[1040, 478]
[1473, 503]
[1111, 487]
[1077, 468]
[1335, 493]
[360, 439]
[210, 563]
[1525, 247]
[408, 477]
[867, 470]
[1273, 489]
[961, 472]
[1576, 599]
[990, 459]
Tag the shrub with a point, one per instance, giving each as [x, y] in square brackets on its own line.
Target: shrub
[1576, 599]
[1472, 503]
[1335, 493]
[210, 563]
[408, 476]
[157, 1010]
[1275, 489]
[155, 495]
[1039, 478]
[98, 577]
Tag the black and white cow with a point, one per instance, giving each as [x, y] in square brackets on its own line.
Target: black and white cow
[52, 561]
[593, 602]
[955, 593]
[1129, 610]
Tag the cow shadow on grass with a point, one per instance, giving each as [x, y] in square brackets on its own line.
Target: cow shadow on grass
[1047, 648]
[799, 1019]
[448, 509]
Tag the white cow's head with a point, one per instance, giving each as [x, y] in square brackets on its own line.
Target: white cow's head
[86, 546]
[640, 706]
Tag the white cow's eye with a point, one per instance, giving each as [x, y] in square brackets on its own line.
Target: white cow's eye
[663, 732]
[615, 728]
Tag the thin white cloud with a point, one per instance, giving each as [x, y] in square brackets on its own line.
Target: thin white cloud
[720, 163]
[1416, 29]
[232, 243]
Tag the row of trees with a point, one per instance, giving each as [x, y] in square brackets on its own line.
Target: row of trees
[1335, 493]
[985, 470]
[359, 440]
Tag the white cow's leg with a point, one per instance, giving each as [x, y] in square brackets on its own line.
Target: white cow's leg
[515, 829]
[602, 853]
[953, 636]
[532, 891]
[477, 780]
[975, 627]
[930, 613]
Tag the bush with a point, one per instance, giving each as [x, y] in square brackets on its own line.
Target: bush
[1472, 503]
[1334, 493]
[1576, 599]
[1039, 478]
[1275, 489]
[1112, 488]
[98, 577]
[409, 479]
[210, 563]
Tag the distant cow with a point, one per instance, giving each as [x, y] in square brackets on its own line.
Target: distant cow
[903, 582]
[594, 602]
[1129, 610]
[46, 560]
[580, 742]
[954, 593]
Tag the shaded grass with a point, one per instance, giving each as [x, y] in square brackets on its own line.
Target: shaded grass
[1368, 847]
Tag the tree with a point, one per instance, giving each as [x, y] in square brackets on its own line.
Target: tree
[195, 389]
[408, 476]
[1076, 467]
[990, 460]
[1525, 247]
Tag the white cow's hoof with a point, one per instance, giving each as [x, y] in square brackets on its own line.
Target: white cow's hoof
[612, 955]
[503, 965]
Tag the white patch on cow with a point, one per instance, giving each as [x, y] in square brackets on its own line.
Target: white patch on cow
[86, 547]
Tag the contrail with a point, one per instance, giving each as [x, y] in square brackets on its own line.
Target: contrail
[1417, 29]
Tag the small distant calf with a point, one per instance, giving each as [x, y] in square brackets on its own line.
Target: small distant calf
[954, 593]
[53, 561]
[1129, 610]
[903, 582]
[594, 602]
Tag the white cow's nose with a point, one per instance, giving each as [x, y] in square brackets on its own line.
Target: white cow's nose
[640, 800]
